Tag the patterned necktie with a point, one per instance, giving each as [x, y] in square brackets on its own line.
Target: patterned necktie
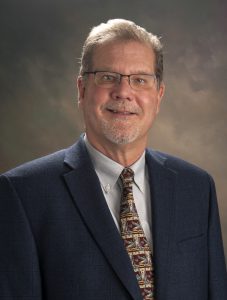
[134, 238]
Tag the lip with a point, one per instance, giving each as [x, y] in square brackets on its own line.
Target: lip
[121, 112]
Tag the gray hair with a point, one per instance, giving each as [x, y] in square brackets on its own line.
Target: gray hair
[120, 30]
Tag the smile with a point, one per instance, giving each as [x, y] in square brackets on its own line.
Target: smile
[121, 112]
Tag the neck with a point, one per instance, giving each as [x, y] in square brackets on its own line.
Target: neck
[124, 154]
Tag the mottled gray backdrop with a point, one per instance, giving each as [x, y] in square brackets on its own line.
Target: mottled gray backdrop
[40, 46]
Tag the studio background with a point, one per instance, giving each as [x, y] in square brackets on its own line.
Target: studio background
[40, 47]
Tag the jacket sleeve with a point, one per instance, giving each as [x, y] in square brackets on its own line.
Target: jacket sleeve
[19, 269]
[217, 268]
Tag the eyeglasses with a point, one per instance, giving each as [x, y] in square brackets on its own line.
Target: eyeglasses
[109, 80]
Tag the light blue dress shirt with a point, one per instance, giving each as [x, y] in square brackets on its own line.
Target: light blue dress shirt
[108, 172]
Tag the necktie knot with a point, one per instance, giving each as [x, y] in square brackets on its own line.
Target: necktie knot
[127, 177]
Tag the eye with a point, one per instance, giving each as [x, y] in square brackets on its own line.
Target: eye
[139, 80]
[107, 77]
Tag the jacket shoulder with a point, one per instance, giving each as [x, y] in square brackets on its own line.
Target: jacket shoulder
[176, 164]
[42, 165]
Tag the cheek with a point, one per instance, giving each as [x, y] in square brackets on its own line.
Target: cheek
[150, 105]
[98, 101]
[150, 110]
[91, 107]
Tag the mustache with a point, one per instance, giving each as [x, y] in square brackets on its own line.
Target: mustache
[122, 105]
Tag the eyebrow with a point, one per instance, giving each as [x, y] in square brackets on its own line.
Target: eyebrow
[135, 72]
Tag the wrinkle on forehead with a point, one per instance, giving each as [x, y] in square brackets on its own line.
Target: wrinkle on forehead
[129, 57]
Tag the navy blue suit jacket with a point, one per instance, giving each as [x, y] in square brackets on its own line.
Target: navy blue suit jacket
[58, 240]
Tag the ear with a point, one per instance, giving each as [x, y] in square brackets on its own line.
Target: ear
[81, 90]
[161, 92]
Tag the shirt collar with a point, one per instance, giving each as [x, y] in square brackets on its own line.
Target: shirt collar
[109, 170]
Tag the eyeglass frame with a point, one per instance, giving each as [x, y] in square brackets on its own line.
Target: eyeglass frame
[120, 77]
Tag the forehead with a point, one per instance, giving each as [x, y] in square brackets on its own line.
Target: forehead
[124, 57]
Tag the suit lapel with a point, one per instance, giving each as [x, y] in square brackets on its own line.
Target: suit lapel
[162, 186]
[85, 189]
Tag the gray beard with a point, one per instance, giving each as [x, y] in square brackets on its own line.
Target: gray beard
[118, 134]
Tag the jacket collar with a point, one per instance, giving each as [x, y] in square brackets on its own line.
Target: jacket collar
[86, 192]
[162, 185]
[85, 189]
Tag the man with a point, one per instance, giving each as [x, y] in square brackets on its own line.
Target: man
[108, 218]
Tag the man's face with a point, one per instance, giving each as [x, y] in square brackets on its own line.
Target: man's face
[120, 115]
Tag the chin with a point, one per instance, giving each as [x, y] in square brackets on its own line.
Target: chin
[120, 133]
[120, 138]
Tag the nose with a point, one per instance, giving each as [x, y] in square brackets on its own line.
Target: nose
[123, 90]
